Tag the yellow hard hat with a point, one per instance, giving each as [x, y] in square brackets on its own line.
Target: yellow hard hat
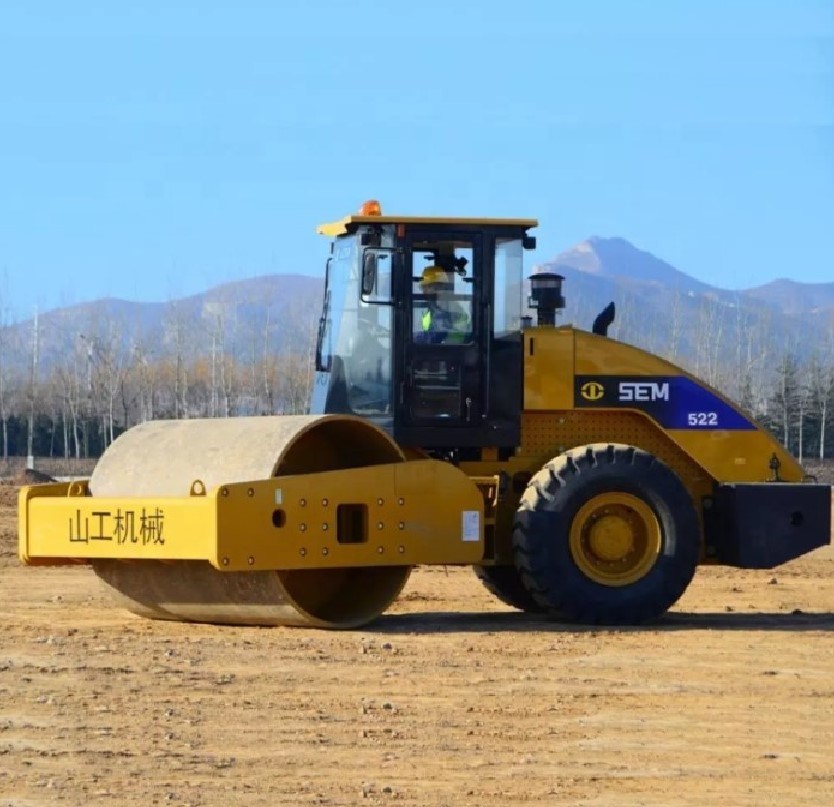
[433, 274]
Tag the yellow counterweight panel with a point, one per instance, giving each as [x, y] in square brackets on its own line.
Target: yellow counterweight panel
[552, 424]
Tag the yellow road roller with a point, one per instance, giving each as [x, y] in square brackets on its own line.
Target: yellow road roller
[452, 421]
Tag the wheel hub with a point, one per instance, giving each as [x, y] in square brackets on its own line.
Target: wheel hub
[610, 537]
[615, 538]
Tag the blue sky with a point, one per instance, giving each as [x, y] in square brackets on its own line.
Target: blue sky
[155, 151]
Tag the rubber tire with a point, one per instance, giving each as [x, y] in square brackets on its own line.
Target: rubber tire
[542, 528]
[505, 583]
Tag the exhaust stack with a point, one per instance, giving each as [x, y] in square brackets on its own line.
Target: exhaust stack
[546, 296]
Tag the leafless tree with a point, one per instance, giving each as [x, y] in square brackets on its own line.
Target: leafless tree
[676, 324]
[110, 363]
[710, 339]
[821, 394]
[6, 349]
[176, 337]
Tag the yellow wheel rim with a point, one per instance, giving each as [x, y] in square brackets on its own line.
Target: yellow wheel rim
[615, 539]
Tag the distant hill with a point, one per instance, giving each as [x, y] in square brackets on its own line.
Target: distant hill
[712, 331]
[619, 259]
[278, 309]
[796, 298]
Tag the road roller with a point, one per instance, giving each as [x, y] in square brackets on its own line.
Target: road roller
[454, 421]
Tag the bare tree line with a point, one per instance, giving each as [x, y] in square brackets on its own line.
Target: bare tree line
[106, 379]
[239, 359]
[785, 381]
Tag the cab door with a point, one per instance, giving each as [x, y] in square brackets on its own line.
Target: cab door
[442, 396]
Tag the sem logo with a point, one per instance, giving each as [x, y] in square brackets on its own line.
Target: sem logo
[644, 391]
[592, 390]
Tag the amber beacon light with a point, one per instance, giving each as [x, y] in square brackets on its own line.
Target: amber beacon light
[371, 208]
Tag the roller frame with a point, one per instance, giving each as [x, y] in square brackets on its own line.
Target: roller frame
[233, 527]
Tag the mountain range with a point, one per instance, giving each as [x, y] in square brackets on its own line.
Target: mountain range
[694, 323]
[658, 307]
[235, 318]
[634, 270]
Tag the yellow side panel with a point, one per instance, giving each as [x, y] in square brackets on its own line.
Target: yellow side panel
[727, 455]
[545, 435]
[420, 512]
[739, 456]
[54, 525]
[397, 514]
[600, 355]
[548, 368]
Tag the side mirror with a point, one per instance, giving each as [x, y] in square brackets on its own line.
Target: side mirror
[322, 366]
[369, 266]
[376, 275]
[528, 242]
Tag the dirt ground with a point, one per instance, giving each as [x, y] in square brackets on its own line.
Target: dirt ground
[450, 699]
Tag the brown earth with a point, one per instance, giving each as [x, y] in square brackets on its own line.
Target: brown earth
[451, 699]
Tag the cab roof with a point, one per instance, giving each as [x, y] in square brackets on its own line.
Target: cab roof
[349, 223]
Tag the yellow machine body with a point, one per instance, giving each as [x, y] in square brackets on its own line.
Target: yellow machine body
[625, 472]
[721, 455]
[552, 424]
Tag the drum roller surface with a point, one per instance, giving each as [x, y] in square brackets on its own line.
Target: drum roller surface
[163, 458]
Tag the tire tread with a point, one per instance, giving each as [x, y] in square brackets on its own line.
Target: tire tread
[570, 594]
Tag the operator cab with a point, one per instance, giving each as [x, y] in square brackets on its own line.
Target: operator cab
[420, 329]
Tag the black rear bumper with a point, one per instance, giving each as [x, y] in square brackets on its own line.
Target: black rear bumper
[761, 526]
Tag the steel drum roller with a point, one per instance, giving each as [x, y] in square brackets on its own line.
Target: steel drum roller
[164, 458]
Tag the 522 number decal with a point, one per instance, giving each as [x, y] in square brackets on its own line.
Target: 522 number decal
[702, 419]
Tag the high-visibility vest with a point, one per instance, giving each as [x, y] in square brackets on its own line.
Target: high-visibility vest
[454, 324]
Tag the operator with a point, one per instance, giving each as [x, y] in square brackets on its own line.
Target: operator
[444, 321]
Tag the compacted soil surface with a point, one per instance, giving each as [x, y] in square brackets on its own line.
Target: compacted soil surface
[449, 699]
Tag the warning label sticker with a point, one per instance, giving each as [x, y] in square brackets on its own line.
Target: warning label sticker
[471, 526]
